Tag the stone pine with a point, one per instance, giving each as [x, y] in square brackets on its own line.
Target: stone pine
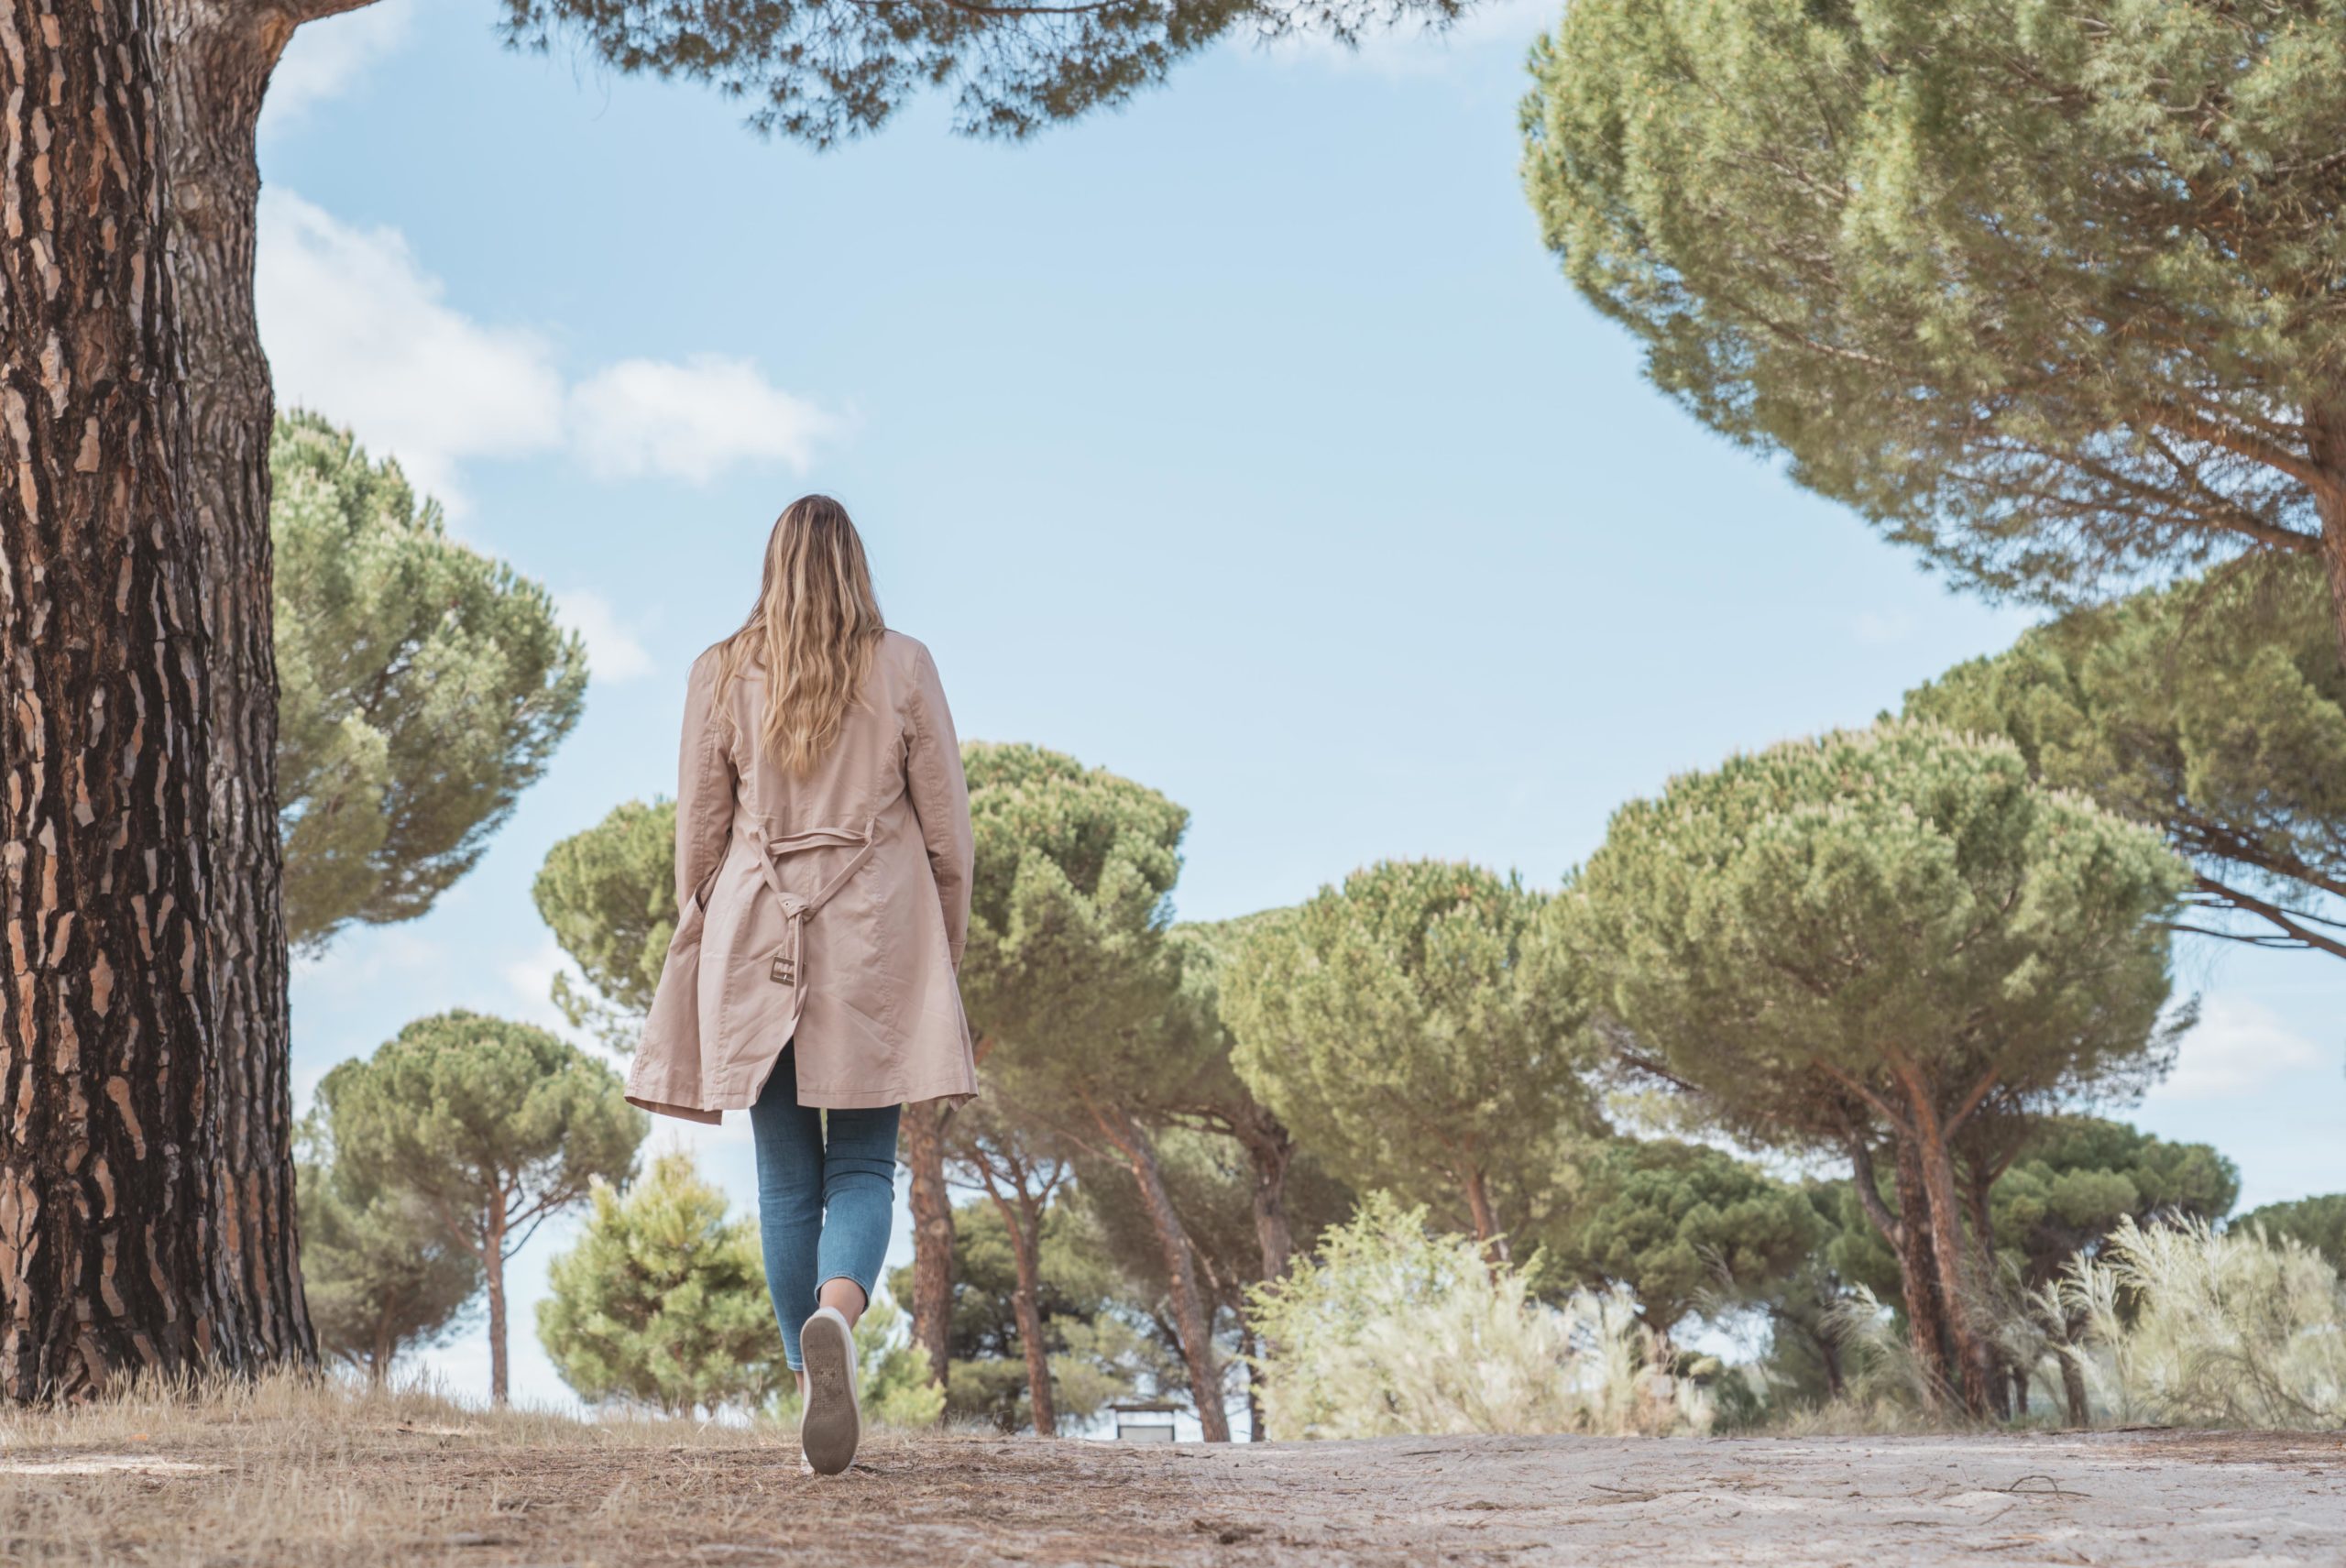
[492, 1125]
[1860, 943]
[422, 688]
[2048, 292]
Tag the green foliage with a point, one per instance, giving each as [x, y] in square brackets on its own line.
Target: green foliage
[1395, 1026]
[2046, 290]
[1679, 1224]
[1211, 1186]
[380, 1276]
[1392, 1331]
[2215, 710]
[494, 1124]
[1070, 902]
[489, 1126]
[892, 1382]
[2081, 1177]
[821, 71]
[2316, 1222]
[662, 1301]
[1097, 1351]
[2190, 1326]
[1876, 922]
[607, 894]
[421, 688]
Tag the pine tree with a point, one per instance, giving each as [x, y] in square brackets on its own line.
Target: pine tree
[662, 1302]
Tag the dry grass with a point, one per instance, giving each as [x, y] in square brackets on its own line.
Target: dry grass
[287, 1475]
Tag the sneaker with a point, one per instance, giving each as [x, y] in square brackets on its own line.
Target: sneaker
[832, 1422]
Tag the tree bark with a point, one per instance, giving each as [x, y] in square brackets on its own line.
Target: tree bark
[1270, 1149]
[1972, 1355]
[2002, 1376]
[215, 57]
[1486, 1226]
[932, 1206]
[111, 1260]
[492, 1263]
[1918, 1272]
[1191, 1325]
[1025, 1226]
[2079, 1412]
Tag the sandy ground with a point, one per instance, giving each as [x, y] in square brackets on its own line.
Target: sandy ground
[408, 1493]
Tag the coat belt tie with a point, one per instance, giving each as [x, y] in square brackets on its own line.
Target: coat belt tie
[788, 965]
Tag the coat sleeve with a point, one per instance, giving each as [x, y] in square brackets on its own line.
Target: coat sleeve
[704, 788]
[940, 797]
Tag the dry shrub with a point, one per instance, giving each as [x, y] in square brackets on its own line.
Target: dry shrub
[1393, 1331]
[2186, 1325]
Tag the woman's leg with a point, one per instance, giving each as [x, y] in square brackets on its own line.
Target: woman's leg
[790, 1197]
[859, 1202]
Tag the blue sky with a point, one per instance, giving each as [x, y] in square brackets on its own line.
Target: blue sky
[1246, 441]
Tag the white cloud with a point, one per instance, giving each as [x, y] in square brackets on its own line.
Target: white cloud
[691, 420]
[326, 56]
[2239, 1047]
[358, 330]
[613, 651]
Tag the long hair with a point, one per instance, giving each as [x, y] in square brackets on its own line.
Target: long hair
[813, 628]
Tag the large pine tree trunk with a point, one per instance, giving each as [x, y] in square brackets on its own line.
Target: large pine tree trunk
[1971, 1352]
[932, 1206]
[215, 57]
[1192, 1324]
[109, 1259]
[1918, 1279]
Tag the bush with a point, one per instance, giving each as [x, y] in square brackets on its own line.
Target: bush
[2186, 1325]
[662, 1301]
[1391, 1331]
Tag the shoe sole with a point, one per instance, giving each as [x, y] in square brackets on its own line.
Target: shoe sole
[833, 1424]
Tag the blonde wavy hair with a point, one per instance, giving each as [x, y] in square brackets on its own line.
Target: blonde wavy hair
[814, 629]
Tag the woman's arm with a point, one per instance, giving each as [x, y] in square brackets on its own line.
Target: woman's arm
[704, 787]
[940, 798]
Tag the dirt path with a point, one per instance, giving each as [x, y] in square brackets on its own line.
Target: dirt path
[380, 1494]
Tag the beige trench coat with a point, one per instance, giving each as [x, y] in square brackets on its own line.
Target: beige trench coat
[829, 908]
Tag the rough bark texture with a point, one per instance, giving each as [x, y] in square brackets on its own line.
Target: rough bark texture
[1191, 1323]
[214, 58]
[109, 1258]
[1918, 1271]
[932, 1206]
[1945, 1213]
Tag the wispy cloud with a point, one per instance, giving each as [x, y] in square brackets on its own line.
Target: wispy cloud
[614, 652]
[326, 56]
[692, 421]
[360, 330]
[2239, 1047]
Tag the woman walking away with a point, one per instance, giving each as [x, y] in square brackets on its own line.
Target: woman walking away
[823, 857]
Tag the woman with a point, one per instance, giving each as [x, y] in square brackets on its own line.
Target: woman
[823, 857]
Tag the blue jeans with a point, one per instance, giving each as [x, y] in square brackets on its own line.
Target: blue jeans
[826, 1196]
